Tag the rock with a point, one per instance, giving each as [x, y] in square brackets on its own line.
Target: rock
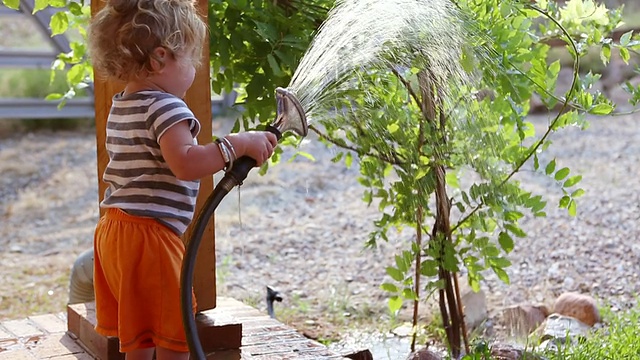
[474, 305]
[559, 329]
[579, 306]
[403, 330]
[424, 354]
[522, 319]
[501, 351]
[364, 354]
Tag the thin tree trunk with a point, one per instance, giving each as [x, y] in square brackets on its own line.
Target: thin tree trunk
[452, 317]
[416, 302]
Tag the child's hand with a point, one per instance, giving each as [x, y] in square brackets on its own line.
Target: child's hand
[258, 145]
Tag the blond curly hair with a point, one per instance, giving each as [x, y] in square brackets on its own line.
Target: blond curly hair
[124, 34]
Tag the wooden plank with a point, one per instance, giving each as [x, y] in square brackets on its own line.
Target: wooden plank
[199, 99]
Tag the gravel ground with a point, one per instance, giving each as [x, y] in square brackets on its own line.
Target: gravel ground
[301, 229]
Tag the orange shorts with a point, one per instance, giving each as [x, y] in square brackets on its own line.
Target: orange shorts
[137, 265]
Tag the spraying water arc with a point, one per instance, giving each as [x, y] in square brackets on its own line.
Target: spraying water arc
[290, 117]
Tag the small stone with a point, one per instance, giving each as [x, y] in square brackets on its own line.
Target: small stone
[579, 306]
[501, 351]
[403, 330]
[563, 328]
[568, 283]
[521, 320]
[474, 305]
[424, 354]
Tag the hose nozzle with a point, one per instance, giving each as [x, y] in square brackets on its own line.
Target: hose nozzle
[290, 114]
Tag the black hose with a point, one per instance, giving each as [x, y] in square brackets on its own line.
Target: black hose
[235, 176]
[188, 266]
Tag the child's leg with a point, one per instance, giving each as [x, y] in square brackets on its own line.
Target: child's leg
[167, 354]
[140, 354]
[146, 259]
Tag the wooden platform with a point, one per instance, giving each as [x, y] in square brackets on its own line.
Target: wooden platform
[70, 336]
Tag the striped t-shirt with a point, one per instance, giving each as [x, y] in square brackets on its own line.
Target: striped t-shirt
[140, 181]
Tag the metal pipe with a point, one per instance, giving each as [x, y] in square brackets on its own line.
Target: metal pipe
[81, 280]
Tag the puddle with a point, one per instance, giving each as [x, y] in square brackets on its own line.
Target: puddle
[381, 346]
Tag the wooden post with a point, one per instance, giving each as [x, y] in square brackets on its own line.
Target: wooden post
[199, 100]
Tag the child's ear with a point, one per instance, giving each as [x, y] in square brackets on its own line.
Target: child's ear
[158, 58]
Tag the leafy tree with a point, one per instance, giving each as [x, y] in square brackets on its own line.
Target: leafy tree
[444, 168]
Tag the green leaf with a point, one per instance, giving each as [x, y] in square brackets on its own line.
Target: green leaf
[577, 193]
[57, 3]
[75, 8]
[395, 274]
[625, 39]
[429, 268]
[304, 155]
[401, 264]
[551, 167]
[452, 180]
[12, 4]
[389, 287]
[348, 160]
[59, 23]
[275, 67]
[392, 128]
[572, 181]
[474, 283]
[39, 5]
[564, 202]
[267, 31]
[506, 242]
[562, 173]
[601, 109]
[502, 275]
[500, 262]
[573, 208]
[395, 303]
[54, 96]
[367, 197]
[605, 54]
[624, 54]
[409, 294]
[515, 230]
[76, 74]
[422, 172]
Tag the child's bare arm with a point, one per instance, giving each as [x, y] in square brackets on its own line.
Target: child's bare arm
[190, 162]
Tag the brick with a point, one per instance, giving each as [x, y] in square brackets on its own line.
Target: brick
[16, 355]
[9, 344]
[269, 338]
[55, 346]
[277, 348]
[233, 354]
[22, 328]
[50, 323]
[81, 320]
[80, 356]
[75, 314]
[218, 331]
